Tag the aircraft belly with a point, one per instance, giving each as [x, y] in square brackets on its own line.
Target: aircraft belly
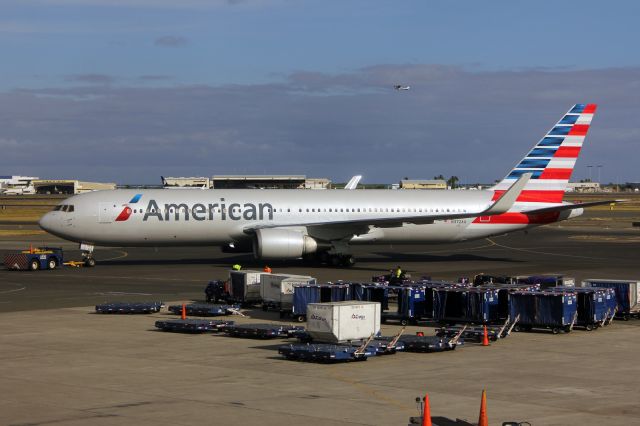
[438, 232]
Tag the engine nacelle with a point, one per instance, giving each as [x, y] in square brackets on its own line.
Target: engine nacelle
[282, 244]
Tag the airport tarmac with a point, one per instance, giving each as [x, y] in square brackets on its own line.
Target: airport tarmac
[62, 364]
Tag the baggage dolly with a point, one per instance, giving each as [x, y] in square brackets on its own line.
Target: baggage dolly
[260, 331]
[193, 325]
[204, 310]
[129, 307]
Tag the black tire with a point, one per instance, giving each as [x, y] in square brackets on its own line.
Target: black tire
[567, 329]
[517, 328]
[334, 260]
[52, 263]
[301, 318]
[34, 265]
[347, 261]
[555, 330]
[404, 322]
[90, 262]
[589, 327]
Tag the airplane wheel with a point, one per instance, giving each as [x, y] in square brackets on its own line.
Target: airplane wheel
[90, 262]
[348, 261]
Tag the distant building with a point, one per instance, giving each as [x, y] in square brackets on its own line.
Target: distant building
[269, 182]
[16, 181]
[68, 186]
[423, 184]
[187, 182]
[583, 187]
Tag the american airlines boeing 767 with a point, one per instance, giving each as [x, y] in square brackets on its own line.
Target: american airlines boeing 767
[322, 225]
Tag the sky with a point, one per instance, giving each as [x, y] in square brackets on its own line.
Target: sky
[127, 90]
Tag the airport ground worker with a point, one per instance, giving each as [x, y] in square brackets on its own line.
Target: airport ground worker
[236, 267]
[267, 269]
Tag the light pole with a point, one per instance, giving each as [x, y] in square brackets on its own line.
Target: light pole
[590, 169]
[599, 166]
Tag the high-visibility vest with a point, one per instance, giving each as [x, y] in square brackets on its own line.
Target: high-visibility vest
[398, 272]
[236, 267]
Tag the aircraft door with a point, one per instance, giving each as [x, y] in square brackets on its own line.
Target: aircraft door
[107, 212]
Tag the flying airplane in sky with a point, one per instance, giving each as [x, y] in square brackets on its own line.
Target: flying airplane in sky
[322, 225]
[401, 87]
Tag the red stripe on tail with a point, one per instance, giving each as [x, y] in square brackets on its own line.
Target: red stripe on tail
[567, 152]
[564, 174]
[535, 196]
[590, 109]
[579, 130]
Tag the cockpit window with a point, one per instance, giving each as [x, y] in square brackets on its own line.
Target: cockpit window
[57, 208]
[64, 208]
[71, 208]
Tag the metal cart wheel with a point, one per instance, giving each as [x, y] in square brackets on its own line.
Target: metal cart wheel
[555, 330]
[404, 322]
[589, 327]
[300, 318]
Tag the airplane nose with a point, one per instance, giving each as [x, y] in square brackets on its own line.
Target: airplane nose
[46, 222]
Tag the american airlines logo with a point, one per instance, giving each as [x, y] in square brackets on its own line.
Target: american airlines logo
[126, 211]
[210, 211]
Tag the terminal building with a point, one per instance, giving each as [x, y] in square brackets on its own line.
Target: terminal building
[583, 187]
[248, 182]
[423, 184]
[68, 186]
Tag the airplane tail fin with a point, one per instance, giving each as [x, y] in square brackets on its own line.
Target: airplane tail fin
[552, 159]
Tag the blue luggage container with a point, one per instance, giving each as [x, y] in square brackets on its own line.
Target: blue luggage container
[543, 309]
[627, 294]
[593, 307]
[414, 304]
[465, 305]
[320, 293]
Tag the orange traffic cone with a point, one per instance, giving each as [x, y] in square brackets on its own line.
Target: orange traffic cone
[31, 248]
[183, 315]
[485, 337]
[483, 420]
[426, 412]
[419, 333]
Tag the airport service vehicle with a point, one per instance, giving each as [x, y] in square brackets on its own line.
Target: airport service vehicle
[323, 225]
[34, 259]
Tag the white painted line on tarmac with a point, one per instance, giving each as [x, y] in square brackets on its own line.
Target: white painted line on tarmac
[123, 255]
[15, 290]
[549, 253]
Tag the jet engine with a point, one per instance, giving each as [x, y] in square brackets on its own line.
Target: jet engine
[282, 244]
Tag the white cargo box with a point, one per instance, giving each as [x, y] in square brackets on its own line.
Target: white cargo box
[278, 288]
[245, 285]
[343, 321]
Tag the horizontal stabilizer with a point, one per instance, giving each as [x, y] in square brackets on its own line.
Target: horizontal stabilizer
[509, 197]
[563, 207]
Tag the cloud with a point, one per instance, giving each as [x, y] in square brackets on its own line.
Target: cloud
[90, 78]
[153, 78]
[171, 41]
[454, 121]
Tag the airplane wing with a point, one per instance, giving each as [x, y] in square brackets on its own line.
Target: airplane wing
[353, 182]
[351, 226]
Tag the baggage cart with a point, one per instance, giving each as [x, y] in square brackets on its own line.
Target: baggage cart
[556, 311]
[244, 287]
[192, 325]
[465, 305]
[593, 309]
[627, 295]
[276, 291]
[204, 310]
[547, 280]
[429, 343]
[325, 353]
[260, 331]
[129, 307]
[337, 322]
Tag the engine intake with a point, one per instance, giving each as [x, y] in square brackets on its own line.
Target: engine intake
[282, 244]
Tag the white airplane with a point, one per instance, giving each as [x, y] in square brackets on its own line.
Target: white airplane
[19, 190]
[401, 87]
[322, 225]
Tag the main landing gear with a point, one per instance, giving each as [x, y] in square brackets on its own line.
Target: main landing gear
[331, 259]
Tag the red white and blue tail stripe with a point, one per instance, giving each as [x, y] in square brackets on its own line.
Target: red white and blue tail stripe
[551, 161]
